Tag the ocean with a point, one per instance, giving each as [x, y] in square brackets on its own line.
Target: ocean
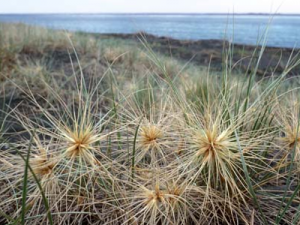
[281, 30]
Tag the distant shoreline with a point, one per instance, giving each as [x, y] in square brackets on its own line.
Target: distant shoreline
[132, 35]
[153, 37]
[201, 26]
[210, 52]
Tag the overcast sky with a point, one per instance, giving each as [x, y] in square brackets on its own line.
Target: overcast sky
[140, 6]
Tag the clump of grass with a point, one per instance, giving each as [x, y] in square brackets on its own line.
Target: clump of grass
[212, 157]
[150, 123]
[68, 158]
[158, 150]
[288, 121]
[163, 200]
[42, 166]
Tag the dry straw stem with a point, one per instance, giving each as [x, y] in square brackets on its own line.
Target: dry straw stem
[289, 140]
[163, 199]
[69, 158]
[212, 157]
[159, 152]
[159, 134]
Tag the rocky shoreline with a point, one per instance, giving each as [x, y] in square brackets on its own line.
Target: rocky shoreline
[211, 52]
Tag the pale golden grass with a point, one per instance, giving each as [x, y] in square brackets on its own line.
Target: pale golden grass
[289, 138]
[151, 151]
[43, 164]
[153, 127]
[68, 157]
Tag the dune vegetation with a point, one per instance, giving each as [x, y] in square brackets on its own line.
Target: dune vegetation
[107, 131]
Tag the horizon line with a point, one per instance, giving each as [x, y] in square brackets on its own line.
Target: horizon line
[149, 13]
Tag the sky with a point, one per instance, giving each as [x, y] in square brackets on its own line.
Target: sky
[154, 6]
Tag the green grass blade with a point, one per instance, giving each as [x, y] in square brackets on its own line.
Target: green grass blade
[248, 180]
[134, 149]
[28, 167]
[289, 178]
[25, 181]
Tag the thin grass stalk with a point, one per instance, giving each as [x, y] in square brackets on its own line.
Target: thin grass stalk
[248, 179]
[24, 194]
[289, 179]
[134, 149]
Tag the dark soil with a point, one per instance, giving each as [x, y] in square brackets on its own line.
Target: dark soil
[205, 52]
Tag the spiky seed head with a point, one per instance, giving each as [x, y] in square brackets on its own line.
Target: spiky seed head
[150, 135]
[211, 144]
[79, 142]
[42, 163]
[155, 196]
[291, 140]
[42, 166]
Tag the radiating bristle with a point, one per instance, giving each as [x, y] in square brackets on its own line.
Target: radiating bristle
[150, 135]
[119, 135]
[41, 165]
